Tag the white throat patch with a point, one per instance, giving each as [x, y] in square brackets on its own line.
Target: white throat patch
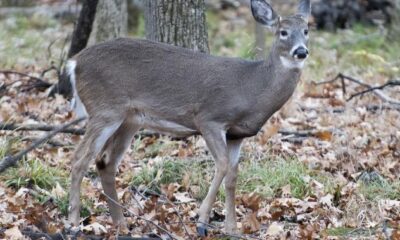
[292, 63]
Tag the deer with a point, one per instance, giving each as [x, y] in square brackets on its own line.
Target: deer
[125, 85]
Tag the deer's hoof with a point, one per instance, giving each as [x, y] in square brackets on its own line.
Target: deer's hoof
[202, 230]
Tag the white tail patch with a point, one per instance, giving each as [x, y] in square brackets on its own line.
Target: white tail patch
[76, 103]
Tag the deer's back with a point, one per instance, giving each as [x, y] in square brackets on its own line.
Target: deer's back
[164, 79]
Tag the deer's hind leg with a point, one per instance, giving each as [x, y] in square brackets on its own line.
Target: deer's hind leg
[107, 165]
[98, 131]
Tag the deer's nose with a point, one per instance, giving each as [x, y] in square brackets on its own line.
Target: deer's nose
[301, 53]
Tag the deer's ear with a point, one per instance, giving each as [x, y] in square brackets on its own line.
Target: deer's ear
[264, 13]
[304, 8]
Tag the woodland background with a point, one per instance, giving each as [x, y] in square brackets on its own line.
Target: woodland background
[326, 166]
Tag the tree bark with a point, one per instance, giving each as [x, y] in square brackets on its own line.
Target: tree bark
[83, 28]
[111, 20]
[178, 22]
[80, 38]
[394, 31]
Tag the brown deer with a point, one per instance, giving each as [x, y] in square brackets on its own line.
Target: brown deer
[125, 85]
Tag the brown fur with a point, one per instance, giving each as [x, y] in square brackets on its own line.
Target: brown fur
[128, 84]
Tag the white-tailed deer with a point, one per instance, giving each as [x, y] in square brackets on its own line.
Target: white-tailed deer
[125, 85]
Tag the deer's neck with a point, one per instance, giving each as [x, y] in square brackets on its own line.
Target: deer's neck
[280, 81]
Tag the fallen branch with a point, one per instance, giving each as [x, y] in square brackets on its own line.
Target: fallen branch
[40, 83]
[375, 90]
[58, 236]
[52, 143]
[371, 89]
[39, 127]
[74, 131]
[9, 161]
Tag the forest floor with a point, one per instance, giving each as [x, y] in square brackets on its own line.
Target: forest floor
[322, 167]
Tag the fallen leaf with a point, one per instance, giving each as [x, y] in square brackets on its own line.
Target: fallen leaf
[14, 234]
[275, 229]
[183, 198]
[251, 224]
[95, 228]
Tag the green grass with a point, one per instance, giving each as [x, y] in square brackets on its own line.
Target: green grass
[339, 232]
[173, 171]
[87, 206]
[34, 172]
[383, 189]
[28, 172]
[267, 177]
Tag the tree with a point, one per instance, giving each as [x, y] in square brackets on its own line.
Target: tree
[80, 38]
[178, 22]
[394, 31]
[111, 20]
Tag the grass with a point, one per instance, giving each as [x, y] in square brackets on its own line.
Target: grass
[267, 177]
[175, 171]
[33, 172]
[340, 231]
[87, 206]
[378, 190]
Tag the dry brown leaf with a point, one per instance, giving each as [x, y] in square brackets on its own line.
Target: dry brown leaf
[251, 201]
[251, 223]
[324, 135]
[14, 234]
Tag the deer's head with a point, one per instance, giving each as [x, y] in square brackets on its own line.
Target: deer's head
[291, 32]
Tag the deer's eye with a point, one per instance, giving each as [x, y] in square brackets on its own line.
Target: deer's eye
[284, 33]
[306, 32]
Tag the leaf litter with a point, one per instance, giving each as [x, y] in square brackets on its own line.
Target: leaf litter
[348, 140]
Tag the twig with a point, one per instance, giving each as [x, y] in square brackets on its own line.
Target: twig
[12, 160]
[52, 143]
[371, 89]
[5, 72]
[179, 216]
[58, 236]
[39, 127]
[75, 131]
[139, 217]
[375, 90]
[40, 83]
[166, 200]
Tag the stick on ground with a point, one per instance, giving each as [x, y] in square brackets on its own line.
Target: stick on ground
[9, 161]
[375, 90]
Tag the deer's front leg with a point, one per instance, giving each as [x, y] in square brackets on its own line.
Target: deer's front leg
[230, 185]
[216, 142]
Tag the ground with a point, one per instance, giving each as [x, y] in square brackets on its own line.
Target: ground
[322, 167]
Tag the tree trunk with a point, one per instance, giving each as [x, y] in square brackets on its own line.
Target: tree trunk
[83, 28]
[394, 31]
[80, 38]
[178, 22]
[111, 20]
